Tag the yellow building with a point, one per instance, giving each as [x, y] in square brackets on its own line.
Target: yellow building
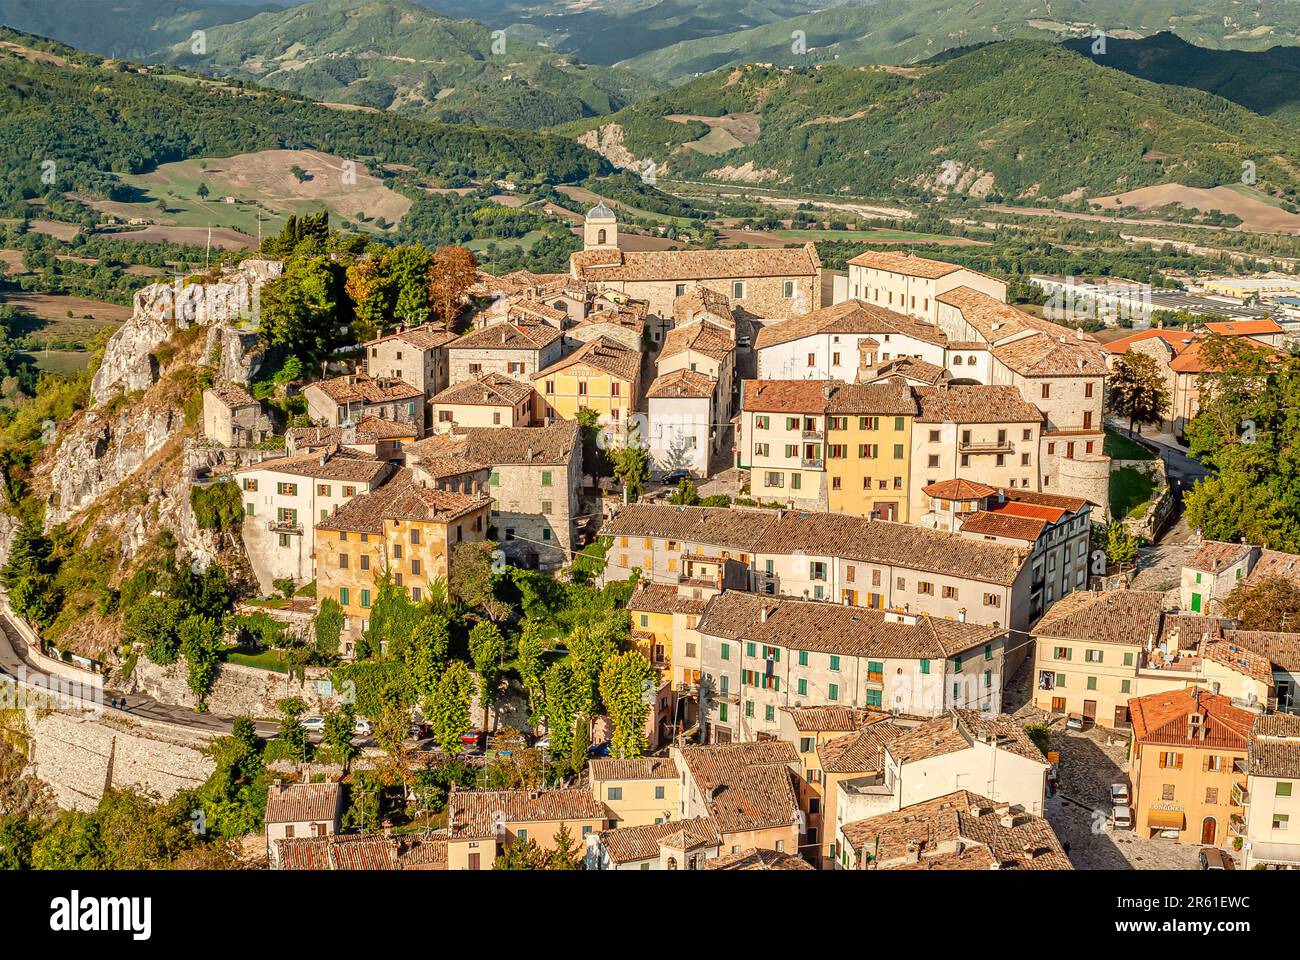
[637, 792]
[602, 375]
[482, 823]
[869, 449]
[404, 530]
[489, 400]
[1188, 765]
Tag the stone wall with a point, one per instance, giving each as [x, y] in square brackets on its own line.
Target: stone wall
[238, 690]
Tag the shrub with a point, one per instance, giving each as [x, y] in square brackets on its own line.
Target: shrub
[218, 506]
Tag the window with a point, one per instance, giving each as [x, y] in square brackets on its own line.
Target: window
[323, 489]
[365, 599]
[1281, 821]
[550, 386]
[1047, 391]
[1064, 653]
[875, 671]
[415, 537]
[769, 713]
[949, 593]
[925, 587]
[787, 289]
[835, 662]
[287, 489]
[365, 562]
[1167, 791]
[546, 478]
[1092, 683]
[738, 290]
[1171, 761]
[726, 651]
[1283, 789]
[874, 698]
[992, 600]
[988, 651]
[615, 793]
[659, 793]
[925, 667]
[343, 561]
[722, 712]
[343, 596]
[802, 687]
[1092, 656]
[1128, 659]
[1125, 686]
[832, 692]
[250, 485]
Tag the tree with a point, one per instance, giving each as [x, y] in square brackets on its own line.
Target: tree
[393, 618]
[568, 854]
[1121, 546]
[449, 709]
[469, 575]
[632, 466]
[202, 191]
[328, 627]
[17, 837]
[451, 274]
[408, 269]
[28, 576]
[305, 309]
[530, 663]
[624, 681]
[199, 640]
[488, 648]
[1136, 390]
[686, 494]
[292, 733]
[521, 855]
[155, 622]
[371, 293]
[1271, 604]
[340, 727]
[566, 702]
[426, 653]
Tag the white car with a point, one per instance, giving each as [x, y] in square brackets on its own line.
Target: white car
[1121, 817]
[362, 727]
[313, 724]
[1119, 793]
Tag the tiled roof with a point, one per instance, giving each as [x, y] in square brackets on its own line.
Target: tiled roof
[829, 717]
[328, 464]
[474, 814]
[704, 338]
[1176, 340]
[754, 858]
[630, 844]
[895, 399]
[957, 730]
[975, 403]
[362, 388]
[1072, 504]
[1161, 719]
[946, 828]
[1043, 356]
[860, 751]
[1275, 746]
[627, 265]
[517, 282]
[836, 628]
[717, 526]
[1275, 563]
[1244, 328]
[849, 317]
[1281, 649]
[603, 354]
[987, 523]
[365, 852]
[508, 336]
[524, 309]
[913, 368]
[232, 395]
[702, 302]
[958, 489]
[426, 336]
[784, 396]
[1239, 658]
[637, 768]
[487, 389]
[996, 321]
[905, 263]
[301, 802]
[1108, 616]
[663, 598]
[401, 499]
[551, 445]
[746, 786]
[682, 385]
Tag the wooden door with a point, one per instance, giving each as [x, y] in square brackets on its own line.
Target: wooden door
[1090, 710]
[1208, 829]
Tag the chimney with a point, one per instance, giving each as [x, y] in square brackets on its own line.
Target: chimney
[1007, 821]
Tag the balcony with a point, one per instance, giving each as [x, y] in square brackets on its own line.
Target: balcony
[811, 463]
[1240, 795]
[1237, 825]
[813, 434]
[284, 526]
[986, 446]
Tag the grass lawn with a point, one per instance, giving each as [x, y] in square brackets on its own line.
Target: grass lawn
[1130, 492]
[1119, 447]
[266, 660]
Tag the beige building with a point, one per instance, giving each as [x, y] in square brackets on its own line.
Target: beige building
[232, 418]
[295, 810]
[514, 350]
[1187, 763]
[1096, 651]
[1217, 568]
[415, 355]
[637, 791]
[356, 396]
[671, 845]
[1270, 822]
[482, 823]
[535, 475]
[911, 285]
[285, 497]
[371, 437]
[487, 400]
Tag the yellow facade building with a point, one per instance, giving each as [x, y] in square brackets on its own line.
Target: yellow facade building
[869, 449]
[639, 791]
[602, 375]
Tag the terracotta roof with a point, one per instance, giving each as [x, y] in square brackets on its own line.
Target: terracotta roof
[487, 389]
[603, 354]
[1281, 649]
[893, 399]
[905, 264]
[975, 403]
[1043, 356]
[784, 396]
[958, 489]
[363, 388]
[950, 831]
[988, 523]
[551, 445]
[426, 336]
[233, 395]
[746, 786]
[849, 317]
[624, 265]
[838, 629]
[663, 598]
[535, 308]
[702, 302]
[518, 281]
[508, 336]
[913, 368]
[1244, 328]
[625, 318]
[368, 431]
[1240, 659]
[637, 768]
[1275, 746]
[1064, 502]
[1191, 359]
[1161, 719]
[716, 526]
[958, 730]
[630, 844]
[301, 802]
[827, 717]
[996, 321]
[1214, 555]
[682, 385]
[328, 464]
[754, 858]
[1108, 616]
[401, 499]
[1275, 563]
[474, 814]
[861, 751]
[705, 338]
[365, 852]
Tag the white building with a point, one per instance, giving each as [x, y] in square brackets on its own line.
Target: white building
[682, 433]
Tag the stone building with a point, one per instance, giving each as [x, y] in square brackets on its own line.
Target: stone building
[352, 398]
[417, 356]
[514, 350]
[232, 418]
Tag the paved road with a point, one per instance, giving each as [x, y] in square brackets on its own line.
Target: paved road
[14, 661]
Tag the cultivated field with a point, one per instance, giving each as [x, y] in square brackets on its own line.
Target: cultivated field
[1257, 213]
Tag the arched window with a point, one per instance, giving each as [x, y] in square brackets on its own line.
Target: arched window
[600, 235]
[672, 863]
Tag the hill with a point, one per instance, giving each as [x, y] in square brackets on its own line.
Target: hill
[1265, 81]
[1019, 119]
[908, 31]
[398, 55]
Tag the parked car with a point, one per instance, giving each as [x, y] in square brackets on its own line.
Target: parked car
[1121, 817]
[676, 476]
[1119, 793]
[1075, 722]
[419, 731]
[473, 738]
[313, 724]
[362, 727]
[1212, 858]
[598, 750]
